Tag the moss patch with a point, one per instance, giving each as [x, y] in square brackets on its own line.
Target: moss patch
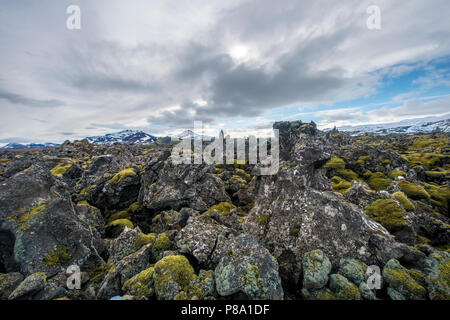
[60, 169]
[387, 213]
[122, 175]
[335, 163]
[413, 190]
[223, 208]
[22, 219]
[404, 201]
[56, 256]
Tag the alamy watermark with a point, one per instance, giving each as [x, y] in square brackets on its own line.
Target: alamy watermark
[374, 20]
[235, 151]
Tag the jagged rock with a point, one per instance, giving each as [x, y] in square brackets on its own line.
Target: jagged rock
[248, 269]
[30, 286]
[124, 270]
[316, 267]
[205, 239]
[45, 231]
[9, 282]
[178, 186]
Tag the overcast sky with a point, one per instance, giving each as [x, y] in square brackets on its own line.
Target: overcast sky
[237, 65]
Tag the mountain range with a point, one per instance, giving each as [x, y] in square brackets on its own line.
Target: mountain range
[424, 125]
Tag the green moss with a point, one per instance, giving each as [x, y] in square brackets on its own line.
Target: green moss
[124, 214]
[60, 169]
[340, 185]
[396, 173]
[56, 256]
[134, 207]
[97, 273]
[223, 208]
[400, 279]
[139, 285]
[387, 213]
[3, 161]
[348, 175]
[121, 175]
[427, 160]
[440, 196]
[262, 219]
[172, 269]
[22, 219]
[121, 223]
[404, 201]
[413, 191]
[162, 242]
[144, 239]
[246, 175]
[378, 182]
[335, 163]
[294, 231]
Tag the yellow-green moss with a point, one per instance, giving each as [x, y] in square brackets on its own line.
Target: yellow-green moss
[378, 182]
[144, 239]
[124, 214]
[401, 279]
[440, 195]
[172, 268]
[348, 175]
[138, 285]
[22, 219]
[122, 223]
[396, 173]
[340, 185]
[413, 190]
[387, 213]
[223, 208]
[60, 169]
[122, 175]
[262, 219]
[404, 201]
[162, 242]
[134, 207]
[56, 256]
[335, 163]
[2, 161]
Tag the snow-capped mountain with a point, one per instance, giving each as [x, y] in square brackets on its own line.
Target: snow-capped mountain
[190, 135]
[126, 136]
[13, 145]
[425, 125]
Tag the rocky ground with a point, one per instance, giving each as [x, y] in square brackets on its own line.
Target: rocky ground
[140, 227]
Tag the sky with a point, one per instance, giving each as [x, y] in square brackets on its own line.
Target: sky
[235, 65]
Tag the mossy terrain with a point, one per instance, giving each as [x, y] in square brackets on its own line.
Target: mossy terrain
[223, 208]
[340, 185]
[119, 176]
[56, 256]
[335, 163]
[60, 169]
[388, 213]
[22, 218]
[413, 190]
[404, 201]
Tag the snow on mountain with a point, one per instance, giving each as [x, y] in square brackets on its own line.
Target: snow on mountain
[13, 145]
[425, 125]
[126, 136]
[190, 135]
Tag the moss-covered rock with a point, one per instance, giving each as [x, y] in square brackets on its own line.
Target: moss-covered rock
[30, 286]
[223, 208]
[141, 284]
[399, 279]
[119, 176]
[353, 270]
[340, 185]
[172, 274]
[335, 163]
[343, 289]
[404, 201]
[413, 190]
[388, 213]
[316, 267]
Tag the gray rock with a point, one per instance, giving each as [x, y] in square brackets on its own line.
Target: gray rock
[30, 286]
[316, 267]
[249, 269]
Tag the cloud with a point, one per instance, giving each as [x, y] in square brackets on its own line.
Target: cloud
[30, 102]
[149, 63]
